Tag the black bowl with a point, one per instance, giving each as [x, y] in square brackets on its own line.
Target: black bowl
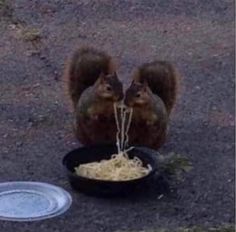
[103, 187]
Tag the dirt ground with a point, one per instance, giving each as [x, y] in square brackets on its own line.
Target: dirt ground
[36, 121]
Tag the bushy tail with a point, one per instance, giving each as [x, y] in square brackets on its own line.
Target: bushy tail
[162, 79]
[84, 68]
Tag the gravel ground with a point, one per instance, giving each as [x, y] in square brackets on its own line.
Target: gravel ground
[36, 121]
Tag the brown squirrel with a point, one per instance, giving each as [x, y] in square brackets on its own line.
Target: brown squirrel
[93, 87]
[84, 68]
[152, 96]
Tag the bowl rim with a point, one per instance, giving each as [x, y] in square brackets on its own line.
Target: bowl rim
[74, 175]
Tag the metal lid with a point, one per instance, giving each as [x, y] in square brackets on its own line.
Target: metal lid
[30, 201]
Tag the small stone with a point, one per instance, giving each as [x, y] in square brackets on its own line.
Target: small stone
[31, 34]
[42, 57]
[36, 85]
[32, 52]
[19, 144]
[5, 136]
[12, 26]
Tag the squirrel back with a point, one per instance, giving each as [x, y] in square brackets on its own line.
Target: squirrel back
[84, 69]
[161, 78]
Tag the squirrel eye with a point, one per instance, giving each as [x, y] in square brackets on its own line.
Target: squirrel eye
[138, 95]
[108, 88]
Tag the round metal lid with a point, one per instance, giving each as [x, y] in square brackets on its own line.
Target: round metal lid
[31, 201]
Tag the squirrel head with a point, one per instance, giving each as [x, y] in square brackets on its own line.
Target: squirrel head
[109, 87]
[137, 95]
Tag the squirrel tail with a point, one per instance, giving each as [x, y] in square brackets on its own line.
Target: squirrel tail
[162, 79]
[83, 69]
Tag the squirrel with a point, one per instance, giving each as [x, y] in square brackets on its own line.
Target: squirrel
[152, 95]
[83, 70]
[93, 87]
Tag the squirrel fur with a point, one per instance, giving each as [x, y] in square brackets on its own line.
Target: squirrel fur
[93, 87]
[152, 95]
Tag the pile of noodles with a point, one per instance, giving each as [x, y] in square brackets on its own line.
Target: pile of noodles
[120, 167]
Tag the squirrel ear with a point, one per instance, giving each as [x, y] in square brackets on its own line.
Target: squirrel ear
[145, 85]
[115, 75]
[134, 82]
[101, 77]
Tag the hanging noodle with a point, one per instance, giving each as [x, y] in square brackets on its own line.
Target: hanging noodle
[118, 128]
[120, 167]
[128, 126]
[122, 130]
